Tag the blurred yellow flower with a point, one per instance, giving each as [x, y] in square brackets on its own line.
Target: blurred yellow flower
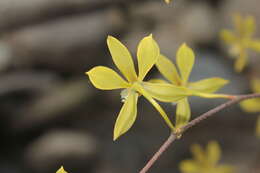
[107, 79]
[253, 105]
[167, 1]
[185, 59]
[241, 40]
[61, 170]
[205, 161]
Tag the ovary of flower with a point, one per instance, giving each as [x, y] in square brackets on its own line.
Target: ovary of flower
[61, 170]
[205, 161]
[185, 59]
[107, 79]
[252, 105]
[241, 40]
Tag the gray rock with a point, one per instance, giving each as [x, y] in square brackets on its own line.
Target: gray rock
[71, 43]
[58, 102]
[61, 147]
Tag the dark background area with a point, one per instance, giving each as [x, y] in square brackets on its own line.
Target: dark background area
[51, 115]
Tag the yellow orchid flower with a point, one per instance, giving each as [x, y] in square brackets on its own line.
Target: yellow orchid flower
[241, 40]
[205, 161]
[167, 1]
[61, 170]
[252, 105]
[107, 79]
[204, 88]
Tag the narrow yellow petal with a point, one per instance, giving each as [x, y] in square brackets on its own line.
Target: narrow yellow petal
[228, 36]
[251, 105]
[258, 127]
[61, 170]
[127, 115]
[106, 79]
[185, 62]
[249, 26]
[238, 23]
[166, 92]
[147, 95]
[209, 85]
[254, 45]
[168, 70]
[183, 113]
[189, 166]
[122, 58]
[213, 152]
[255, 85]
[167, 1]
[147, 54]
[241, 61]
[157, 81]
[198, 153]
[210, 95]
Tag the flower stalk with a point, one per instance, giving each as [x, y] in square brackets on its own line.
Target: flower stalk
[173, 136]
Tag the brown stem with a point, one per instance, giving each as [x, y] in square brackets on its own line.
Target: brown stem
[175, 135]
[165, 145]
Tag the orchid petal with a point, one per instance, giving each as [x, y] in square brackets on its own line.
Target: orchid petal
[106, 79]
[183, 113]
[168, 70]
[147, 54]
[122, 58]
[185, 62]
[127, 115]
[166, 92]
[213, 152]
[209, 85]
[251, 105]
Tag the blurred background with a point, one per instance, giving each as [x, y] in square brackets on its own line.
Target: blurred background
[51, 115]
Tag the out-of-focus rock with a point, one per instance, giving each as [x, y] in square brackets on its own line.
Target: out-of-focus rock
[72, 149]
[16, 14]
[58, 102]
[70, 43]
[173, 25]
[26, 81]
[5, 56]
[230, 7]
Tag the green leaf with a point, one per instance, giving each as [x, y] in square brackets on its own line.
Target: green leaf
[185, 62]
[127, 115]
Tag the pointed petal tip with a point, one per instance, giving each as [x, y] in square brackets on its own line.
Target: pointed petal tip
[115, 137]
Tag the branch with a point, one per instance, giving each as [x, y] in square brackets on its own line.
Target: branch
[175, 135]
